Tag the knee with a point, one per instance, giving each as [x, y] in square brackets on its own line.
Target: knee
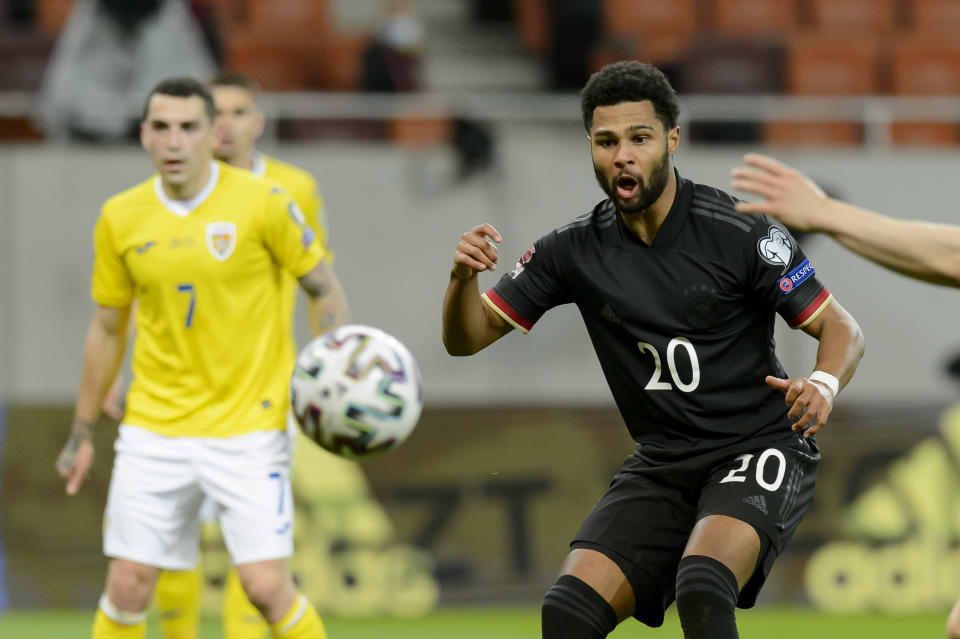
[267, 588]
[571, 608]
[707, 594]
[130, 584]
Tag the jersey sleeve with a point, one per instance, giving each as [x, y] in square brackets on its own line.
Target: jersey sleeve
[111, 284]
[534, 286]
[784, 277]
[287, 235]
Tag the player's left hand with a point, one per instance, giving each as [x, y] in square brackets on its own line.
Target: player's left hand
[810, 402]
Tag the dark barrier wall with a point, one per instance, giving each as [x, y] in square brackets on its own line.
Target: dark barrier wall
[493, 496]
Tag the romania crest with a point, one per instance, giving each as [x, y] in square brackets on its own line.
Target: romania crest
[221, 239]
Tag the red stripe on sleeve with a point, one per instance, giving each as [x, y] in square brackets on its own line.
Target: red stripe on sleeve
[508, 310]
[811, 308]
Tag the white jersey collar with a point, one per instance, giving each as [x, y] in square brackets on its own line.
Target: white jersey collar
[259, 164]
[182, 208]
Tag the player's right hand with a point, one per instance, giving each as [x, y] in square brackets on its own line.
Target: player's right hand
[476, 252]
[113, 403]
[788, 195]
[75, 461]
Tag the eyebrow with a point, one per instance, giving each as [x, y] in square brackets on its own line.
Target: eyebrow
[635, 127]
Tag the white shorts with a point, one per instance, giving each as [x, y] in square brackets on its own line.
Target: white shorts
[159, 482]
[208, 509]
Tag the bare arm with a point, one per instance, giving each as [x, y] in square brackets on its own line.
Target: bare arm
[469, 324]
[839, 353]
[921, 250]
[327, 306]
[102, 358]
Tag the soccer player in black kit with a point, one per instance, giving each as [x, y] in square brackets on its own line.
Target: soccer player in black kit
[678, 294]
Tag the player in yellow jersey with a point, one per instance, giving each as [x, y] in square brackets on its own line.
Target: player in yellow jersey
[201, 247]
[240, 123]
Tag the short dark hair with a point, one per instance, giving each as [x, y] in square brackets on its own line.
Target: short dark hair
[231, 78]
[630, 81]
[183, 88]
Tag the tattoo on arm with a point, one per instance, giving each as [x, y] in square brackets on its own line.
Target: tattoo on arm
[315, 284]
[81, 430]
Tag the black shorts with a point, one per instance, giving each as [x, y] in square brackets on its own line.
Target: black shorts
[645, 518]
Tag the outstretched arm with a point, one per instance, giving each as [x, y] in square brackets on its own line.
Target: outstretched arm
[469, 324]
[921, 250]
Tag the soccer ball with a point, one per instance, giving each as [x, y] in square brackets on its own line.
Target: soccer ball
[356, 391]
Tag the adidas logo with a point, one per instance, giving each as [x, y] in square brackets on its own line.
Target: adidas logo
[758, 502]
[607, 313]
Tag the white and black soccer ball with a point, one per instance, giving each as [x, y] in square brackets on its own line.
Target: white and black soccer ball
[356, 391]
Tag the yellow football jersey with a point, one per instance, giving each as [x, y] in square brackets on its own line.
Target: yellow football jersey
[210, 356]
[303, 189]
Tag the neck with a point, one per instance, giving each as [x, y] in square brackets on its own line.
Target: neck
[646, 224]
[188, 189]
[244, 160]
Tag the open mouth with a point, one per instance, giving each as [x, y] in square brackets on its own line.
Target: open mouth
[174, 165]
[627, 186]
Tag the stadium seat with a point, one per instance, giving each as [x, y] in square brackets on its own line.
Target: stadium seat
[25, 56]
[419, 131]
[754, 18]
[657, 31]
[924, 65]
[276, 65]
[335, 62]
[940, 134]
[732, 65]
[532, 18]
[52, 15]
[820, 134]
[303, 20]
[826, 65]
[859, 16]
[934, 16]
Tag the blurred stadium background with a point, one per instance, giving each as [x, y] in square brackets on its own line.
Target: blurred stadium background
[422, 118]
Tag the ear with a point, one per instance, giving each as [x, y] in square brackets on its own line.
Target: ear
[673, 139]
[143, 134]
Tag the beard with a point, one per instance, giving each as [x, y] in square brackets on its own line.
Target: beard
[649, 189]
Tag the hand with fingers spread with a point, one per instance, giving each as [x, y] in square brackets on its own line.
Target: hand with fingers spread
[76, 458]
[476, 252]
[789, 195]
[810, 402]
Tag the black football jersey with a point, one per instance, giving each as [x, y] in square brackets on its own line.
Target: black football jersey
[683, 328]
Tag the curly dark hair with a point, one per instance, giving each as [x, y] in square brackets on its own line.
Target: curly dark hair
[183, 88]
[630, 81]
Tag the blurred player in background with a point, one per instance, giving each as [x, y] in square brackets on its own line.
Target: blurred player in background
[201, 247]
[240, 123]
[922, 250]
[678, 294]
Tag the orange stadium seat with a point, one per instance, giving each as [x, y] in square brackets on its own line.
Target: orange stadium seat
[754, 18]
[942, 134]
[303, 20]
[52, 15]
[824, 65]
[533, 24]
[276, 65]
[335, 61]
[732, 65]
[657, 31]
[932, 16]
[783, 133]
[419, 131]
[924, 65]
[857, 16]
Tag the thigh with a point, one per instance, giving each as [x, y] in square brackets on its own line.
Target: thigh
[151, 513]
[770, 489]
[642, 524]
[248, 477]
